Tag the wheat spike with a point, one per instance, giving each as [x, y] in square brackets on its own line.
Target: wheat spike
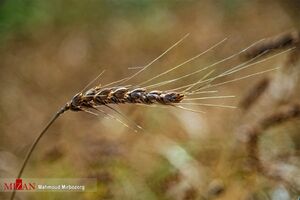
[109, 94]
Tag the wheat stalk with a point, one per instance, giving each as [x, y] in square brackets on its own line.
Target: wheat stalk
[107, 95]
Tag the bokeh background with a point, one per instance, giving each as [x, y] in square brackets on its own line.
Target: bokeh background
[49, 50]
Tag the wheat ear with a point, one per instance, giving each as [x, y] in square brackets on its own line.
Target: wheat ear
[102, 96]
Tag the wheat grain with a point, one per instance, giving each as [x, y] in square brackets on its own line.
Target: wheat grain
[120, 95]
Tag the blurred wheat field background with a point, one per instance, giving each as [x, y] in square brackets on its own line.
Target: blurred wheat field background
[50, 50]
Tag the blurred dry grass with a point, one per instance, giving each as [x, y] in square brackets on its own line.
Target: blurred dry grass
[51, 49]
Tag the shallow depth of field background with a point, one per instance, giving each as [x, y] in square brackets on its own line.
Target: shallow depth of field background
[49, 50]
